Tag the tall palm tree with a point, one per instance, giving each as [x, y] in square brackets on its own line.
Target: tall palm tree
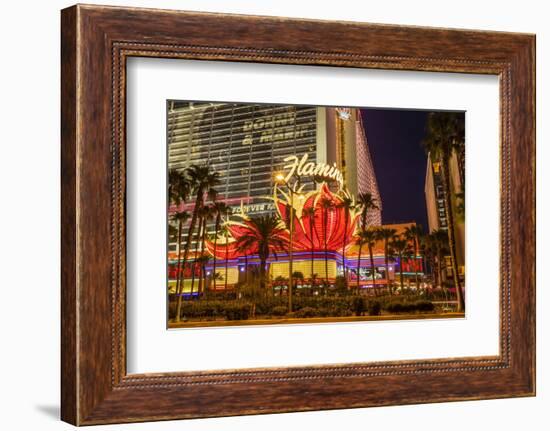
[386, 235]
[226, 235]
[310, 213]
[402, 249]
[202, 261]
[244, 245]
[367, 237]
[179, 187]
[268, 234]
[367, 203]
[425, 249]
[326, 205]
[180, 218]
[347, 204]
[440, 245]
[203, 181]
[460, 205]
[219, 208]
[413, 234]
[445, 134]
[207, 213]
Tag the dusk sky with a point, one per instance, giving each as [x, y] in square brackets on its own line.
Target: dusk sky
[395, 141]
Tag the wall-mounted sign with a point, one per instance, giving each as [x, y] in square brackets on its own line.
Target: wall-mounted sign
[301, 167]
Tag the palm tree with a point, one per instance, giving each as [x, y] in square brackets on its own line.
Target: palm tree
[203, 181]
[426, 249]
[268, 234]
[326, 205]
[445, 134]
[402, 249]
[179, 187]
[202, 262]
[310, 213]
[225, 233]
[179, 217]
[207, 213]
[367, 237]
[460, 205]
[386, 235]
[219, 208]
[280, 281]
[297, 276]
[439, 243]
[244, 245]
[367, 203]
[413, 234]
[347, 204]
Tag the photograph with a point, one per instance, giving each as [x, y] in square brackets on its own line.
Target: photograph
[281, 214]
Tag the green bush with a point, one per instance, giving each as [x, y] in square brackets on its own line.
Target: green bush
[410, 307]
[324, 312]
[279, 310]
[425, 306]
[237, 311]
[306, 312]
[358, 305]
[374, 308]
[265, 306]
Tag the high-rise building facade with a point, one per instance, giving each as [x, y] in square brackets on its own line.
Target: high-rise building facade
[248, 143]
[436, 205]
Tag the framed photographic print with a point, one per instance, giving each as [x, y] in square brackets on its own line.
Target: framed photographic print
[265, 208]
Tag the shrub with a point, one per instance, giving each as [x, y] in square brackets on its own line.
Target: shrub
[358, 305]
[396, 307]
[279, 310]
[306, 312]
[237, 311]
[410, 307]
[374, 308]
[324, 312]
[425, 306]
[341, 284]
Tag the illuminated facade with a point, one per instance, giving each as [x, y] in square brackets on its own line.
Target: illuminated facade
[248, 143]
[323, 244]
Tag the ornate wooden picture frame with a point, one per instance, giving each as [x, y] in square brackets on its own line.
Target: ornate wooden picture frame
[96, 41]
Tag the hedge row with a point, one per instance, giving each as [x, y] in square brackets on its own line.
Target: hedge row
[302, 307]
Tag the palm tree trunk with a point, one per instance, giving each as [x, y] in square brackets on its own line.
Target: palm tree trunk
[439, 269]
[194, 267]
[415, 266]
[325, 221]
[359, 265]
[262, 272]
[386, 262]
[217, 228]
[202, 284]
[180, 229]
[246, 268]
[451, 233]
[312, 251]
[198, 205]
[345, 243]
[226, 262]
[401, 272]
[372, 269]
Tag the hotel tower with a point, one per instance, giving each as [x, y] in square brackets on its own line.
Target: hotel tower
[247, 144]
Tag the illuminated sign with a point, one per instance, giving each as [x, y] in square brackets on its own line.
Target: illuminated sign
[274, 128]
[302, 167]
